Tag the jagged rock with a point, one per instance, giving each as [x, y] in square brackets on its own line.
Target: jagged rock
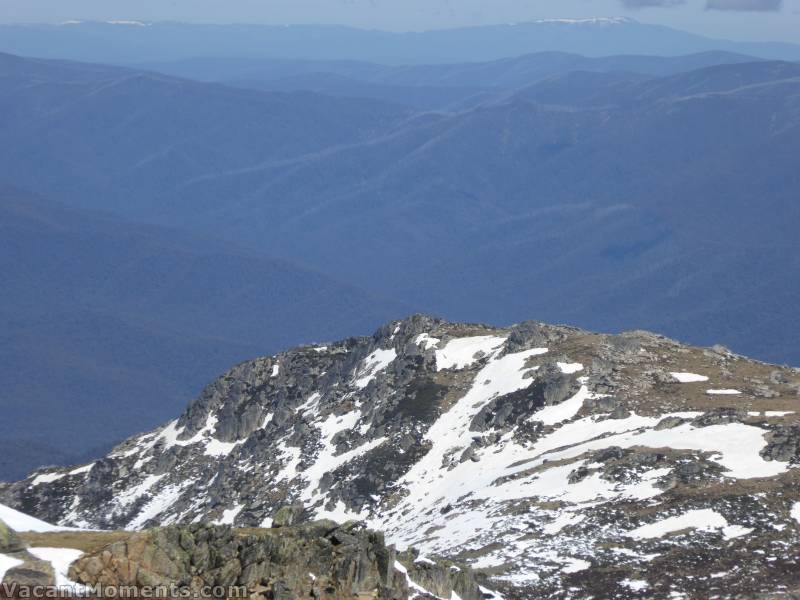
[318, 559]
[602, 405]
[783, 444]
[620, 412]
[441, 577]
[9, 540]
[31, 571]
[719, 416]
[670, 423]
[288, 515]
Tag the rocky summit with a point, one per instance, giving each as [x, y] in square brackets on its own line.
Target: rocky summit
[557, 462]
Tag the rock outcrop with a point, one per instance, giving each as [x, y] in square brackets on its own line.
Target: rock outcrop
[27, 570]
[549, 458]
[314, 560]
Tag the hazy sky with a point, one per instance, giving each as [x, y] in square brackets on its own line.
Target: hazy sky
[734, 19]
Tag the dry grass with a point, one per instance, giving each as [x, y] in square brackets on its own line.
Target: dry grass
[87, 541]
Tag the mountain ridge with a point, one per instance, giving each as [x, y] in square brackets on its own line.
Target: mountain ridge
[495, 446]
[402, 202]
[174, 41]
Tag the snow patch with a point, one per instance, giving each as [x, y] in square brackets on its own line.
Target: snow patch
[570, 368]
[704, 519]
[426, 341]
[219, 449]
[130, 496]
[562, 521]
[795, 512]
[689, 377]
[723, 392]
[23, 523]
[47, 478]
[229, 516]
[637, 585]
[461, 353]
[61, 559]
[558, 413]
[575, 565]
[158, 504]
[374, 364]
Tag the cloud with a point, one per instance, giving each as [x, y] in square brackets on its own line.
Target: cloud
[651, 3]
[744, 5]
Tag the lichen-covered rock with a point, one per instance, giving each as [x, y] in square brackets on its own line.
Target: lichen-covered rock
[288, 515]
[9, 541]
[783, 444]
[30, 571]
[313, 560]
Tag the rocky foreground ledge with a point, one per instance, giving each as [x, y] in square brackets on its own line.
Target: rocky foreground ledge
[321, 559]
[559, 462]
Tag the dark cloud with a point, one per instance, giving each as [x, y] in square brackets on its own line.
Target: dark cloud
[649, 3]
[745, 5]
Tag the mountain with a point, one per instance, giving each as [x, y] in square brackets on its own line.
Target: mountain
[549, 457]
[129, 43]
[444, 87]
[138, 133]
[106, 326]
[514, 72]
[670, 198]
[665, 197]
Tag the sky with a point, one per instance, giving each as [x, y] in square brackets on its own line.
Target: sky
[766, 20]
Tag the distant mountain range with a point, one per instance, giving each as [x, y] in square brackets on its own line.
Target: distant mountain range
[133, 42]
[614, 193]
[450, 87]
[612, 200]
[106, 326]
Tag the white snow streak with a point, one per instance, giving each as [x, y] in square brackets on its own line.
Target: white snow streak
[22, 523]
[689, 377]
[462, 352]
[374, 364]
[704, 519]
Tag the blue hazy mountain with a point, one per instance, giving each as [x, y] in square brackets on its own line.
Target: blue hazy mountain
[108, 327]
[611, 200]
[143, 42]
[448, 86]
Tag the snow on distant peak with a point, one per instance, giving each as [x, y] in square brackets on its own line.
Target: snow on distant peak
[590, 21]
[128, 23]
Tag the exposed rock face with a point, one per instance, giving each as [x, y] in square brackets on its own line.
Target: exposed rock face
[314, 560]
[9, 540]
[551, 457]
[28, 570]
